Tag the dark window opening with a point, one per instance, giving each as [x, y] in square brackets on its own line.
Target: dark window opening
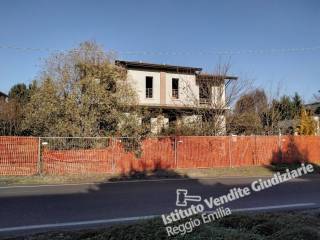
[204, 93]
[175, 88]
[149, 87]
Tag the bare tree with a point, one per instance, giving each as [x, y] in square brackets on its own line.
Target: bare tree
[209, 105]
[317, 96]
[8, 118]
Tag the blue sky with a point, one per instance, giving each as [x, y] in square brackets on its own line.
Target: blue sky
[174, 26]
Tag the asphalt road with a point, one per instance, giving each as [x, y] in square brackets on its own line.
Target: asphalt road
[39, 208]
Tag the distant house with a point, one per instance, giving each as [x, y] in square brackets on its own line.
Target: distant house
[315, 110]
[178, 91]
[3, 101]
[3, 97]
[314, 107]
[290, 126]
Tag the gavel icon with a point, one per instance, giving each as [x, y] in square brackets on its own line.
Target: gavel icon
[183, 198]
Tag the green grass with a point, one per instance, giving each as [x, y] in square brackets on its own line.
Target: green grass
[157, 174]
[268, 226]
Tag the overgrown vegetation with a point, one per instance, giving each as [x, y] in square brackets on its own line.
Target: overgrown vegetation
[204, 111]
[82, 92]
[78, 93]
[256, 113]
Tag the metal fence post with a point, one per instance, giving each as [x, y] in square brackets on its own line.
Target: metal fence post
[230, 158]
[175, 152]
[279, 147]
[39, 163]
[255, 151]
[113, 164]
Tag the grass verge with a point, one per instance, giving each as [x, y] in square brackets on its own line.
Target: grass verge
[156, 174]
[267, 226]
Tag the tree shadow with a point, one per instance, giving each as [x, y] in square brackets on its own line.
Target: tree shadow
[128, 199]
[158, 171]
[290, 155]
[121, 199]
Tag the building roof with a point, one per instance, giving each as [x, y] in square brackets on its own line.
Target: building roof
[206, 76]
[153, 66]
[313, 104]
[172, 68]
[314, 107]
[3, 94]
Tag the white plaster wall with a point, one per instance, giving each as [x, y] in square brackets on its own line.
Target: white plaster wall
[137, 79]
[219, 96]
[188, 90]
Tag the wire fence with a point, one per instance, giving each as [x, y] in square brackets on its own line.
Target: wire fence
[100, 155]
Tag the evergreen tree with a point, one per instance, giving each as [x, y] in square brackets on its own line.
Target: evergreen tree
[307, 125]
[297, 105]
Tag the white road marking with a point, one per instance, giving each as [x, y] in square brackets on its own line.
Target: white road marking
[70, 224]
[127, 219]
[273, 207]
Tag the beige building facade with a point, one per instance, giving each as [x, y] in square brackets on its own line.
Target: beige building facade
[175, 93]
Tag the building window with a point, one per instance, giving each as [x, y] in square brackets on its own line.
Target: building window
[204, 93]
[149, 87]
[175, 88]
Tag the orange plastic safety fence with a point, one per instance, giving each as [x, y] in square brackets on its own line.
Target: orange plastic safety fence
[20, 155]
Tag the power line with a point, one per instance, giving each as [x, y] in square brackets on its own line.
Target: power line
[228, 52]
[207, 52]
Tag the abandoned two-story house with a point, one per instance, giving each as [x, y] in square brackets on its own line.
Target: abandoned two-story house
[176, 94]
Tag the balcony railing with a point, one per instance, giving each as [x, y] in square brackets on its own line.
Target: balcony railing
[204, 101]
[149, 92]
[175, 93]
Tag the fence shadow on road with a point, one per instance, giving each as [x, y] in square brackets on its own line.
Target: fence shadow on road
[159, 170]
[125, 199]
[121, 198]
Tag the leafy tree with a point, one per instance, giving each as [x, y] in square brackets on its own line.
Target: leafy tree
[19, 92]
[249, 113]
[254, 113]
[288, 107]
[82, 93]
[285, 107]
[297, 104]
[11, 114]
[42, 114]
